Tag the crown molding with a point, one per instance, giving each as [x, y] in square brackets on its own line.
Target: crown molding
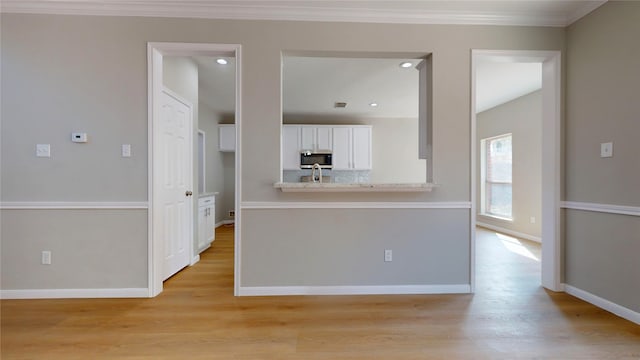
[275, 10]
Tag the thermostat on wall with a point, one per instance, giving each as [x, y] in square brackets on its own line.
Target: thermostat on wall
[79, 137]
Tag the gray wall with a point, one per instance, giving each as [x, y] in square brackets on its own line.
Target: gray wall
[522, 118]
[216, 169]
[603, 83]
[60, 72]
[90, 249]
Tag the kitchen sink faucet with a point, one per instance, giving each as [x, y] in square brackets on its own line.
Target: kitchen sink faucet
[314, 177]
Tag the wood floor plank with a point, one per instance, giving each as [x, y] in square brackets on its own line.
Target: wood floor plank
[197, 317]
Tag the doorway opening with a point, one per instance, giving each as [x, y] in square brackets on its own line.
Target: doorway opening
[208, 77]
[493, 189]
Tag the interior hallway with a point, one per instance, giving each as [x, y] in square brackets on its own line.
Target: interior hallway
[197, 317]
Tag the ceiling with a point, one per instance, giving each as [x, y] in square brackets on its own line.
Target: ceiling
[312, 85]
[500, 82]
[515, 12]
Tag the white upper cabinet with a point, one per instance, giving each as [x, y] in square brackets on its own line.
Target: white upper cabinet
[291, 147]
[352, 148]
[316, 138]
[227, 137]
[361, 148]
[342, 148]
[350, 144]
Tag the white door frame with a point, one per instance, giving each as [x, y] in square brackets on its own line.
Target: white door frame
[551, 160]
[155, 53]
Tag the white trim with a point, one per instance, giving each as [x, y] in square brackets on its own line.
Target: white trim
[74, 293]
[71, 205]
[603, 208]
[238, 175]
[292, 11]
[258, 205]
[353, 290]
[517, 234]
[551, 160]
[155, 53]
[605, 304]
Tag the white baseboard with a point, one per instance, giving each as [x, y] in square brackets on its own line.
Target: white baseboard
[605, 304]
[74, 293]
[225, 222]
[509, 232]
[353, 290]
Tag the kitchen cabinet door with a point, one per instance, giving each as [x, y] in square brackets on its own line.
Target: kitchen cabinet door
[210, 234]
[202, 228]
[342, 148]
[227, 138]
[361, 148]
[307, 138]
[206, 221]
[291, 147]
[323, 138]
[316, 138]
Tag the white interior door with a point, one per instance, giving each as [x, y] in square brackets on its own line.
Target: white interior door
[175, 183]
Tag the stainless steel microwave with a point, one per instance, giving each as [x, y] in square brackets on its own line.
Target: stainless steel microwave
[324, 158]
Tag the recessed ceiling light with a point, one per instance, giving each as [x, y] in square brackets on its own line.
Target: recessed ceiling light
[373, 104]
[222, 61]
[406, 64]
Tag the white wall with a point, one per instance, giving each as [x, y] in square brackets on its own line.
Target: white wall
[395, 152]
[522, 118]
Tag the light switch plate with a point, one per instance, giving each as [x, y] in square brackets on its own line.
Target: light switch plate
[606, 150]
[43, 150]
[126, 150]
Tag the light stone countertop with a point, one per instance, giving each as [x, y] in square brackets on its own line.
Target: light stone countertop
[353, 187]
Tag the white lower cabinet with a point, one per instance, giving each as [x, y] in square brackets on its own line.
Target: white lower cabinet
[206, 222]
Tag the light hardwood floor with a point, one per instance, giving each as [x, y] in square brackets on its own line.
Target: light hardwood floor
[197, 317]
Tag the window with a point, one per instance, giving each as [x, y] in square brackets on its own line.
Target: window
[496, 184]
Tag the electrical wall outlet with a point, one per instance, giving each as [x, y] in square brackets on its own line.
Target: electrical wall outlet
[388, 255]
[232, 213]
[43, 150]
[46, 257]
[532, 219]
[606, 150]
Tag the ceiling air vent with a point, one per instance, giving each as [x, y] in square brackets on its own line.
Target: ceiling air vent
[340, 105]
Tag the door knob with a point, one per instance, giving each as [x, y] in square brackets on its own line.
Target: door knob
[188, 193]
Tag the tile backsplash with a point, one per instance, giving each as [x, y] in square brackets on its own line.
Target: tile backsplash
[337, 176]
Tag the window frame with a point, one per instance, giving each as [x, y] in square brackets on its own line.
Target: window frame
[485, 193]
